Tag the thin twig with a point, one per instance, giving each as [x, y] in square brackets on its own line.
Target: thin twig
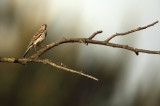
[94, 34]
[70, 70]
[45, 61]
[131, 31]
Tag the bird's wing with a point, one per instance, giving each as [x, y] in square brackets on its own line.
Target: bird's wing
[36, 36]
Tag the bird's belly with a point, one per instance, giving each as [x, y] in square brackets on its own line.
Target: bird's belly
[40, 39]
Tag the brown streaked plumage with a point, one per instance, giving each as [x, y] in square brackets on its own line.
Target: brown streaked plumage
[38, 37]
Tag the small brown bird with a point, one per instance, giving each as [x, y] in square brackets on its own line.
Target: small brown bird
[37, 38]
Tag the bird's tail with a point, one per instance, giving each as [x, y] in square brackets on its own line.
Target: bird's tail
[28, 49]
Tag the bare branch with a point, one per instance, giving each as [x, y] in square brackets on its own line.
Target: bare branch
[45, 61]
[34, 57]
[94, 34]
[131, 31]
[70, 70]
[105, 42]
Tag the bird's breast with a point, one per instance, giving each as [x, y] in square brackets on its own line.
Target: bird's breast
[40, 38]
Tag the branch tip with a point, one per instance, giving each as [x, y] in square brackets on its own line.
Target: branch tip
[131, 31]
[94, 34]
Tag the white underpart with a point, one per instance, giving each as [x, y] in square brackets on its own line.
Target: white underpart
[41, 38]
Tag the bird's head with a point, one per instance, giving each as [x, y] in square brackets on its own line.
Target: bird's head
[44, 26]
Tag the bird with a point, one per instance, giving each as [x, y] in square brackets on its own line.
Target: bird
[37, 38]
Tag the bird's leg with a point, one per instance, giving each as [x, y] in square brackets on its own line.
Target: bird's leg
[35, 49]
[43, 46]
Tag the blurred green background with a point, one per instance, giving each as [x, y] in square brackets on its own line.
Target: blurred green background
[124, 78]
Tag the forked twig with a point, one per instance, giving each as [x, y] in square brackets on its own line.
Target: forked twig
[105, 43]
[131, 31]
[34, 57]
[45, 61]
